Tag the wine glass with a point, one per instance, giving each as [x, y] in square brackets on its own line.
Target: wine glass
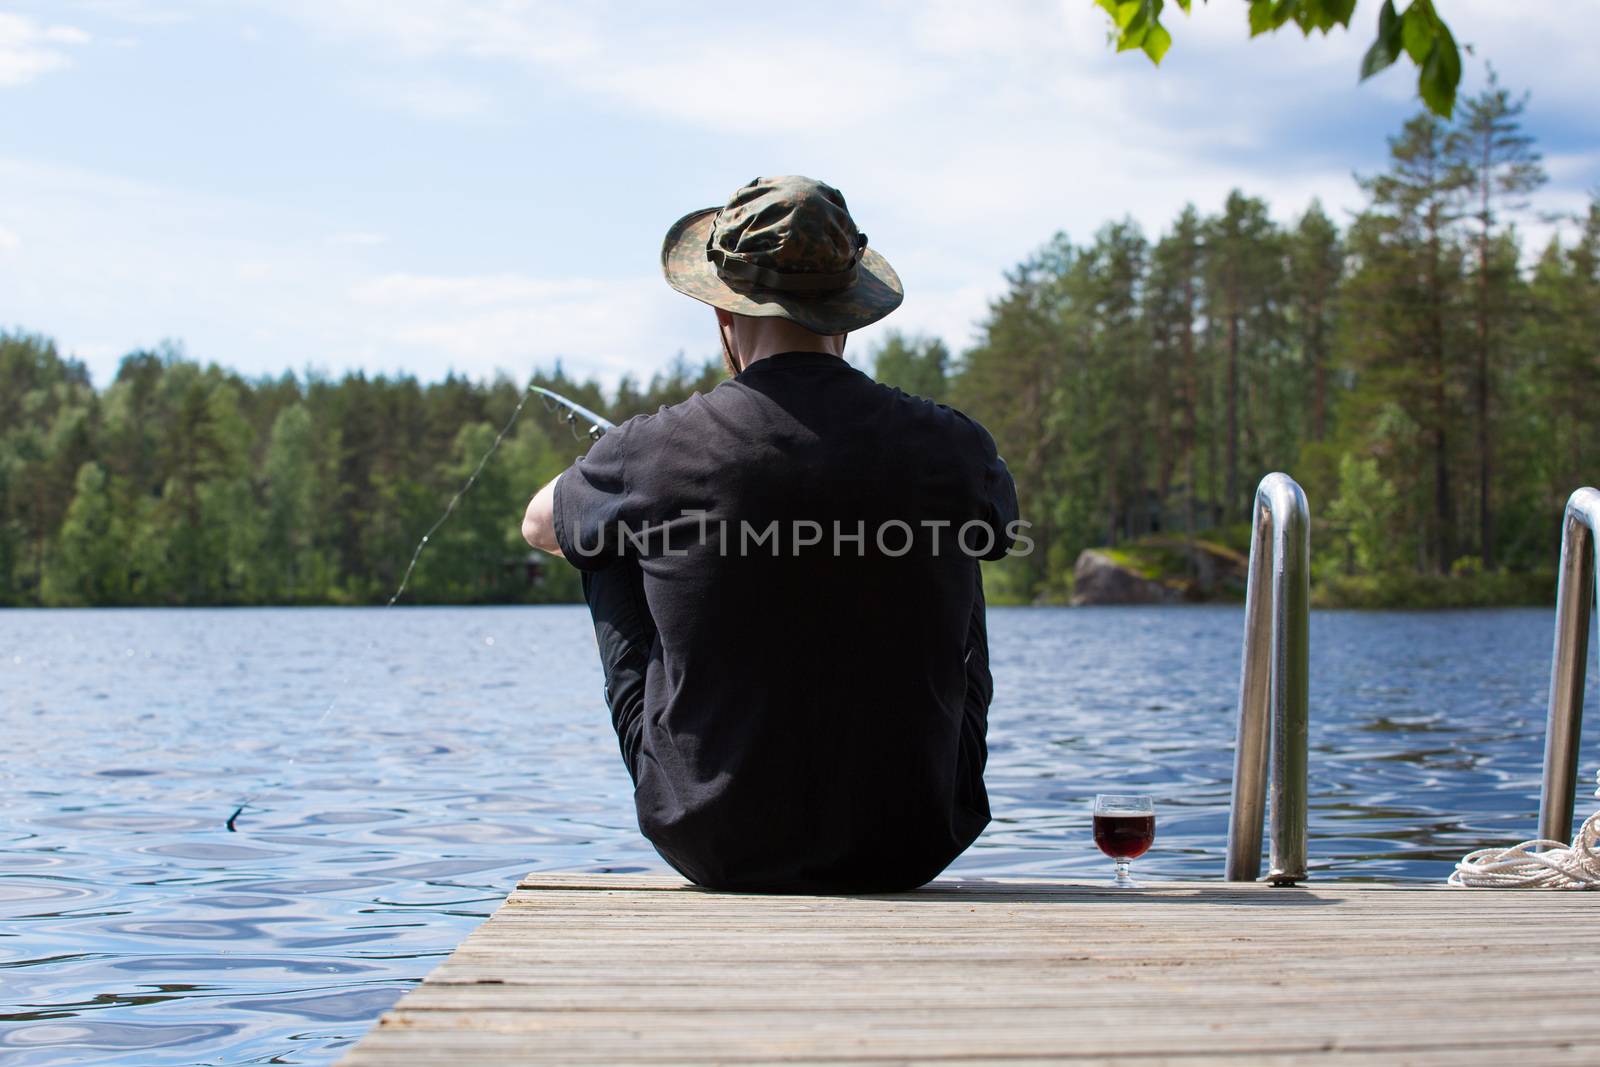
[1124, 828]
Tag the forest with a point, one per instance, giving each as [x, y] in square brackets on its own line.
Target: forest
[1419, 370]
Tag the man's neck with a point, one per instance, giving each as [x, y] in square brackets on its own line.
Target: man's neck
[775, 337]
[762, 354]
[756, 339]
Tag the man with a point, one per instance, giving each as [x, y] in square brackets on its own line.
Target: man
[783, 575]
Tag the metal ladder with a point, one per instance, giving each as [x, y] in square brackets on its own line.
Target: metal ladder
[1274, 688]
[1274, 679]
[1578, 584]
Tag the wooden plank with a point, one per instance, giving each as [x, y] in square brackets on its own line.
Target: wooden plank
[629, 968]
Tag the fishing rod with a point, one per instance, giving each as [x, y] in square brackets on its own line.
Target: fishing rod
[553, 402]
[597, 424]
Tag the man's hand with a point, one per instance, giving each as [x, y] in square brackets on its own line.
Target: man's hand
[539, 522]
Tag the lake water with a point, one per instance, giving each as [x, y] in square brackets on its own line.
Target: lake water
[465, 747]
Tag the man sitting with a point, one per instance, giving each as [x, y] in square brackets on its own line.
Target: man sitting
[783, 575]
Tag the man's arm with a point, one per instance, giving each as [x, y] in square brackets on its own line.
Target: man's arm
[539, 522]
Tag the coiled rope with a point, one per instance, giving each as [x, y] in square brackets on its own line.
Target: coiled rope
[1536, 864]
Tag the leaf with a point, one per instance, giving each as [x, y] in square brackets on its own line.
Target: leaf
[1388, 20]
[1119, 10]
[1440, 75]
[1156, 42]
[1132, 15]
[1386, 47]
[1324, 15]
[1419, 30]
[1267, 16]
[1139, 20]
[1261, 17]
[1138, 25]
[1130, 40]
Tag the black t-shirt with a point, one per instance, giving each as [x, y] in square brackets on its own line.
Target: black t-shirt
[808, 540]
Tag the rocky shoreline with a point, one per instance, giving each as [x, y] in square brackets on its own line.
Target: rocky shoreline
[1159, 570]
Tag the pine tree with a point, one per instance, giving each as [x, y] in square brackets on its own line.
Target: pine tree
[1316, 264]
[88, 564]
[1410, 294]
[1244, 272]
[1009, 383]
[1560, 374]
[291, 567]
[918, 365]
[1118, 360]
[1172, 306]
[1504, 169]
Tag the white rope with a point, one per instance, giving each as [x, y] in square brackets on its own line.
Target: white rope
[1536, 864]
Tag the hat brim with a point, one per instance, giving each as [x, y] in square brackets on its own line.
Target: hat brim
[876, 292]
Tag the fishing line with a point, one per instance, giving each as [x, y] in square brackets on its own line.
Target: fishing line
[598, 426]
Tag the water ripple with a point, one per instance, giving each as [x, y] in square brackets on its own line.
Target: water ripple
[134, 929]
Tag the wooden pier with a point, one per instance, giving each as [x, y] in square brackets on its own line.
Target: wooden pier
[607, 969]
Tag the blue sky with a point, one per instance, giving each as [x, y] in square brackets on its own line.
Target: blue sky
[482, 185]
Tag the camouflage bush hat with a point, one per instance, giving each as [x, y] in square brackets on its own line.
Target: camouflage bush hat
[784, 247]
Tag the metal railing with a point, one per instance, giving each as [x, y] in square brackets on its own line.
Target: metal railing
[1578, 585]
[1274, 687]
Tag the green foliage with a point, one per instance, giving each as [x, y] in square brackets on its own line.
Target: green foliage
[1409, 590]
[1367, 512]
[186, 484]
[918, 365]
[1140, 390]
[1138, 25]
[1435, 400]
[1269, 15]
[89, 564]
[293, 566]
[1421, 35]
[1417, 33]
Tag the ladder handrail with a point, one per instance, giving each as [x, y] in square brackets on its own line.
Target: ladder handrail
[1578, 584]
[1274, 687]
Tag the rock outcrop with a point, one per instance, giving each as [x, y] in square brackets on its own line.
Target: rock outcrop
[1159, 570]
[1099, 579]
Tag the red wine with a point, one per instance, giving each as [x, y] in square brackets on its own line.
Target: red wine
[1124, 837]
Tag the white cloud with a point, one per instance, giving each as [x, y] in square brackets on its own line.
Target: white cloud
[1004, 28]
[135, 12]
[254, 270]
[357, 238]
[950, 313]
[516, 322]
[29, 48]
[734, 87]
[430, 97]
[735, 74]
[964, 134]
[9, 241]
[1572, 167]
[481, 29]
[113, 265]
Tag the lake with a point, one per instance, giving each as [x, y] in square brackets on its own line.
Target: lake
[400, 769]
